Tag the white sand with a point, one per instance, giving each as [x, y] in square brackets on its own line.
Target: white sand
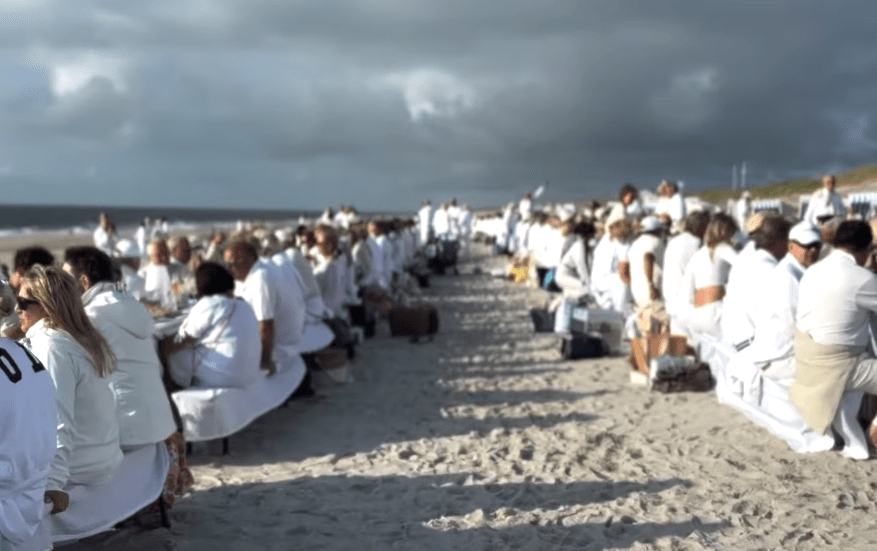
[485, 439]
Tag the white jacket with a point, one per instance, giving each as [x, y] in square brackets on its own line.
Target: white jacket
[142, 406]
[27, 446]
[88, 449]
[227, 349]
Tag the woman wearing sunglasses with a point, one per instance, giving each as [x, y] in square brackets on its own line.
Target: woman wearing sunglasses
[79, 359]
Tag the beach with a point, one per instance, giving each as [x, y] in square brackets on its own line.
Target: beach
[486, 439]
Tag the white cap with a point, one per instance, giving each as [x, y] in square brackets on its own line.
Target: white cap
[650, 223]
[126, 248]
[805, 234]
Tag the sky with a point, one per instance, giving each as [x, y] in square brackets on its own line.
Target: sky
[380, 104]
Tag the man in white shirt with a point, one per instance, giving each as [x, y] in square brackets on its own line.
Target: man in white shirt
[747, 276]
[180, 268]
[157, 285]
[142, 406]
[281, 324]
[837, 300]
[825, 203]
[678, 253]
[646, 258]
[676, 208]
[773, 348]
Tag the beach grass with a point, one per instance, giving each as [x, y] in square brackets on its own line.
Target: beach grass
[790, 187]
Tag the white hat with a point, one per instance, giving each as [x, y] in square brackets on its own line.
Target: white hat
[126, 248]
[805, 234]
[650, 223]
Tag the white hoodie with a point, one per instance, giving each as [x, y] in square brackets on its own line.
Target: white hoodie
[142, 406]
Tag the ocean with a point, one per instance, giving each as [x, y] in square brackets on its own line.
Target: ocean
[55, 217]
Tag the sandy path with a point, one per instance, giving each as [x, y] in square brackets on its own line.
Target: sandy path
[485, 439]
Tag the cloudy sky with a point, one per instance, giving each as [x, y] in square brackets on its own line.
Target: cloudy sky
[382, 103]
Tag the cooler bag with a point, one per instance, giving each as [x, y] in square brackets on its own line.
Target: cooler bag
[416, 321]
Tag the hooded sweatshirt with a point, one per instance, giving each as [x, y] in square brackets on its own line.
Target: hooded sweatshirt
[142, 405]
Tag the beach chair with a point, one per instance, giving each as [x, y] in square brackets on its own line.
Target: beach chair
[217, 413]
[138, 481]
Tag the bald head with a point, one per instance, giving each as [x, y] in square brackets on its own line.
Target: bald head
[241, 256]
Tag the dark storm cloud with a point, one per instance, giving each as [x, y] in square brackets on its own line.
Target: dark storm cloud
[382, 103]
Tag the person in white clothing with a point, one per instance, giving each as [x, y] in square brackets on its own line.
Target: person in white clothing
[837, 299]
[676, 208]
[610, 272]
[281, 314]
[424, 222]
[646, 257]
[677, 255]
[630, 206]
[330, 272]
[27, 442]
[697, 307]
[157, 277]
[773, 349]
[573, 274]
[128, 256]
[80, 360]
[218, 345]
[743, 209]
[741, 298]
[142, 406]
[825, 203]
[105, 234]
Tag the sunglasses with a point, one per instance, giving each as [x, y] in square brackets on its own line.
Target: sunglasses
[25, 303]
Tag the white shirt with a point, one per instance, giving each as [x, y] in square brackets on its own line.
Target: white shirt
[836, 299]
[607, 254]
[639, 284]
[676, 208]
[677, 255]
[775, 318]
[824, 203]
[377, 275]
[103, 240]
[441, 224]
[331, 276]
[142, 406]
[157, 286]
[573, 266]
[227, 346]
[133, 284]
[742, 295]
[87, 450]
[272, 299]
[27, 446]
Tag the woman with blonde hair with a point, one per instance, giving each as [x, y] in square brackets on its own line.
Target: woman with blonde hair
[79, 359]
[702, 290]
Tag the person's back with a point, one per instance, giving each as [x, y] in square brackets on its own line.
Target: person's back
[88, 432]
[27, 445]
[677, 255]
[289, 309]
[746, 279]
[227, 345]
[828, 305]
[142, 406]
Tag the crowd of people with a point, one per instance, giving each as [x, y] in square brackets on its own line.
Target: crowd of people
[90, 379]
[778, 307]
